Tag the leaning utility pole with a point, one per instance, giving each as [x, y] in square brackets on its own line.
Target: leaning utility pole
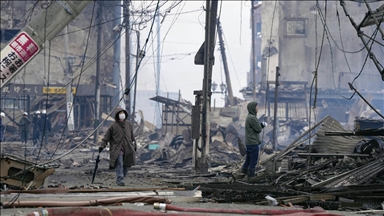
[29, 42]
[209, 48]
[228, 100]
[98, 68]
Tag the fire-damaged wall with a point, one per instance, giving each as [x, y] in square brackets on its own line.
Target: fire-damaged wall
[301, 37]
[293, 39]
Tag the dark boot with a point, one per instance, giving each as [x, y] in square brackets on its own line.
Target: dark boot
[237, 176]
[251, 173]
[244, 171]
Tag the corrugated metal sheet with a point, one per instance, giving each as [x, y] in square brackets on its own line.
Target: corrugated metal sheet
[334, 144]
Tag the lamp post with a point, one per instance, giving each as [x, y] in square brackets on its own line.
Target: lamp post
[223, 88]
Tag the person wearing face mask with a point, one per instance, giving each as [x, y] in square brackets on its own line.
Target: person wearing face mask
[122, 146]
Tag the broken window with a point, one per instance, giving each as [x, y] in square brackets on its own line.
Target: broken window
[296, 27]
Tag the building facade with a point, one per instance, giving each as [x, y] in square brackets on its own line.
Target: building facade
[315, 46]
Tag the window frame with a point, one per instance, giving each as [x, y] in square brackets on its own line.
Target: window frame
[287, 20]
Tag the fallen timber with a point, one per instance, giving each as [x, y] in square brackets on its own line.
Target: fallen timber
[306, 175]
[330, 172]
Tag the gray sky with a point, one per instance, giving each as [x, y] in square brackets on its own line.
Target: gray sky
[182, 39]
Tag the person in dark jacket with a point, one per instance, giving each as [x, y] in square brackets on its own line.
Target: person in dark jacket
[24, 124]
[253, 129]
[122, 145]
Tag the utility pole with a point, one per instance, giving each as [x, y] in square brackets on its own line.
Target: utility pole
[158, 70]
[275, 118]
[253, 50]
[116, 55]
[225, 63]
[36, 34]
[177, 115]
[209, 47]
[68, 78]
[138, 57]
[126, 14]
[98, 68]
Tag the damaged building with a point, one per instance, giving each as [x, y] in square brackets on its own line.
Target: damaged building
[321, 80]
[320, 149]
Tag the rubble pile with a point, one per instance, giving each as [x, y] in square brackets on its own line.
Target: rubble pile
[335, 172]
[322, 165]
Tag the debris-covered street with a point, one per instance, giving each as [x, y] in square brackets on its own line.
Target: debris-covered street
[348, 180]
[104, 113]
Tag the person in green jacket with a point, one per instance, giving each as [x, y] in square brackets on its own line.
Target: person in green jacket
[252, 139]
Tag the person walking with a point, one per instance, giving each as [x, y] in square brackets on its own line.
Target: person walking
[24, 124]
[253, 129]
[122, 146]
[2, 127]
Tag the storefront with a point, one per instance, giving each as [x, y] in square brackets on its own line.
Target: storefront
[18, 98]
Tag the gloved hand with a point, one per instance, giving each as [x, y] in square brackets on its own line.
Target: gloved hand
[100, 149]
[264, 124]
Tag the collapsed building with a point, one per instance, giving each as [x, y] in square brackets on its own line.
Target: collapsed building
[321, 165]
[325, 163]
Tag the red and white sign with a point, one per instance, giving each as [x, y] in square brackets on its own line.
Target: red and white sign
[16, 54]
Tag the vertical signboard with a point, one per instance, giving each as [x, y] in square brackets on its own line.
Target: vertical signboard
[17, 53]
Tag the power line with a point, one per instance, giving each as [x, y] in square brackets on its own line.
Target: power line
[230, 57]
[341, 40]
[45, 35]
[140, 15]
[29, 11]
[78, 82]
[269, 50]
[162, 42]
[82, 70]
[166, 34]
[330, 35]
[162, 46]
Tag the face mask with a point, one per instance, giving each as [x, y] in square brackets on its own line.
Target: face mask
[121, 116]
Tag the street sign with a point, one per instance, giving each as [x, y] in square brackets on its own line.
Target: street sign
[17, 53]
[57, 90]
